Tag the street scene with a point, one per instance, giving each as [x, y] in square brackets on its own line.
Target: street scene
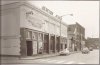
[49, 32]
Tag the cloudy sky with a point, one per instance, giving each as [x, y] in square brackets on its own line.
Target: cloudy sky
[85, 13]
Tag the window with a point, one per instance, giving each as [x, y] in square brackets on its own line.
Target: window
[28, 35]
[65, 45]
[40, 37]
[69, 29]
[35, 35]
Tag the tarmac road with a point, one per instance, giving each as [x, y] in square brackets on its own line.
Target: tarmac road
[77, 58]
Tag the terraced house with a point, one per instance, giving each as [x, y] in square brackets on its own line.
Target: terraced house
[27, 30]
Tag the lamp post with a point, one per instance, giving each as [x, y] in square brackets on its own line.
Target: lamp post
[60, 26]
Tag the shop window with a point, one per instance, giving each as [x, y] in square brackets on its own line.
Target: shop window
[35, 35]
[40, 37]
[69, 29]
[65, 45]
[29, 35]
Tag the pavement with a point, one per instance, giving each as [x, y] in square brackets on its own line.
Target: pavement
[44, 56]
[34, 57]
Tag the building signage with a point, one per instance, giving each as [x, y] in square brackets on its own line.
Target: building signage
[47, 10]
[59, 17]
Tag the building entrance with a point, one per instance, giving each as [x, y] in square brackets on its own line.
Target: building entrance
[58, 44]
[52, 44]
[29, 48]
[46, 44]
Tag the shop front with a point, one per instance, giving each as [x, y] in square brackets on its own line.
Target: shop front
[63, 43]
[26, 48]
[31, 42]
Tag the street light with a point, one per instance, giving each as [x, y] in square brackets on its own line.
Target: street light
[60, 23]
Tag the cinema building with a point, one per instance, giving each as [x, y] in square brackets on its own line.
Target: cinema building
[27, 30]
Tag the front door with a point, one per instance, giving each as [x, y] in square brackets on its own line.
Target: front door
[29, 48]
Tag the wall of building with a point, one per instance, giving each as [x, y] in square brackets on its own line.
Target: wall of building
[64, 30]
[35, 19]
[38, 21]
[20, 20]
[10, 30]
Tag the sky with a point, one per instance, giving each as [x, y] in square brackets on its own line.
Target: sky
[86, 13]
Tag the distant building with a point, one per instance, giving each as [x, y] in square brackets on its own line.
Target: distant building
[76, 36]
[93, 42]
[27, 30]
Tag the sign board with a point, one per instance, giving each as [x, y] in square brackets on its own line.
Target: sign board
[47, 10]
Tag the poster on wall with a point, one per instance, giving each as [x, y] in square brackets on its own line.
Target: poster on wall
[40, 47]
[34, 47]
[40, 43]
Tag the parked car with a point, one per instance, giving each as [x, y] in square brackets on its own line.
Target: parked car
[64, 52]
[85, 50]
[90, 48]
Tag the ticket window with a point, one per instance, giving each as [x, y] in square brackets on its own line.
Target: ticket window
[29, 35]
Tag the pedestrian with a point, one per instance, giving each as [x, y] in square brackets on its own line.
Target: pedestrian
[40, 51]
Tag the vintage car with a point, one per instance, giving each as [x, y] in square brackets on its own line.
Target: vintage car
[85, 50]
[64, 52]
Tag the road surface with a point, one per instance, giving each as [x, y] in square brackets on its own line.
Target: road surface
[76, 58]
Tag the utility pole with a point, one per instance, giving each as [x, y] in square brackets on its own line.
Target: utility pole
[61, 25]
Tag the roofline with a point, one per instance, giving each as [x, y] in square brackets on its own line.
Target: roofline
[35, 8]
[43, 12]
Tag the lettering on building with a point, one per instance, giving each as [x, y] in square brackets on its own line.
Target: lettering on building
[32, 20]
[47, 10]
[58, 17]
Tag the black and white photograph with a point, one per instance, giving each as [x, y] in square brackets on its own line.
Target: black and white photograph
[49, 32]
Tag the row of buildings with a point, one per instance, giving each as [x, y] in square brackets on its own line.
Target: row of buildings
[93, 42]
[27, 30]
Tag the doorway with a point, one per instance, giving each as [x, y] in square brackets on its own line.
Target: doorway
[52, 44]
[29, 48]
[46, 44]
[58, 44]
